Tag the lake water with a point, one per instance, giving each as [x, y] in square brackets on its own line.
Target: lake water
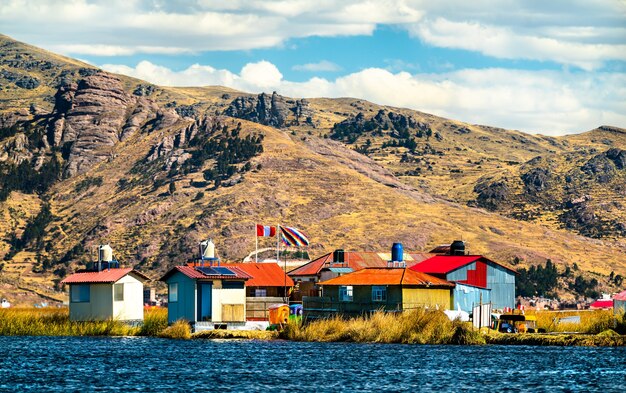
[149, 364]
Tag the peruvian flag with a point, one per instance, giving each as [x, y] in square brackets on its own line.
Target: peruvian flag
[265, 230]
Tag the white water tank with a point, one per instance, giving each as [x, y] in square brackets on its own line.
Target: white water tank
[105, 253]
[209, 249]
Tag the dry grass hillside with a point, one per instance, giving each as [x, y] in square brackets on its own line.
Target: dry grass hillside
[182, 167]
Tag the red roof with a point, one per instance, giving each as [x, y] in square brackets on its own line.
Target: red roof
[444, 264]
[263, 274]
[191, 272]
[356, 261]
[389, 276]
[104, 276]
[602, 304]
[620, 296]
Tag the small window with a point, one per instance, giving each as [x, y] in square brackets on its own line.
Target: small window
[379, 293]
[260, 292]
[118, 292]
[80, 293]
[345, 293]
[173, 292]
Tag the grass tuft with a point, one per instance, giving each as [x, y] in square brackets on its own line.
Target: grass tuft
[178, 330]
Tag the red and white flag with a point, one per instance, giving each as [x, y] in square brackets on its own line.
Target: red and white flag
[265, 230]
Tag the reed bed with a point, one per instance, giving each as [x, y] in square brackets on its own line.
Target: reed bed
[414, 327]
[591, 322]
[608, 338]
[56, 322]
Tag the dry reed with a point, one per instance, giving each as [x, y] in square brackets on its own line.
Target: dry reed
[414, 327]
[178, 330]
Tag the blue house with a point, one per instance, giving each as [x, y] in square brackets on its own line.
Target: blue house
[208, 297]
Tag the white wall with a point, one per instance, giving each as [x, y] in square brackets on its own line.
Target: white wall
[131, 308]
[226, 296]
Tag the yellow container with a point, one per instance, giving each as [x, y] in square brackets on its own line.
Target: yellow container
[279, 313]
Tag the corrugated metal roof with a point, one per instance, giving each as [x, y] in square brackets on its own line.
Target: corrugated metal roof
[443, 264]
[356, 260]
[191, 272]
[389, 276]
[104, 276]
[620, 296]
[263, 274]
[602, 304]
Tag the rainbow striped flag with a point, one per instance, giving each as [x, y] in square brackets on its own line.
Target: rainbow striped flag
[293, 237]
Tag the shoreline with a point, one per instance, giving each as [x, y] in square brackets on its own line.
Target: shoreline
[416, 327]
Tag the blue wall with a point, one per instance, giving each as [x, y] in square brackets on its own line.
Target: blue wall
[467, 296]
[185, 307]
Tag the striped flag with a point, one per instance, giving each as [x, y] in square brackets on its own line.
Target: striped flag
[265, 230]
[293, 237]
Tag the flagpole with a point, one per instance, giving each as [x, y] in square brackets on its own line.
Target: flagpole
[256, 244]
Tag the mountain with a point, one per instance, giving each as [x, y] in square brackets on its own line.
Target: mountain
[89, 157]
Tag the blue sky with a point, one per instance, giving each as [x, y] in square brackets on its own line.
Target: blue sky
[541, 67]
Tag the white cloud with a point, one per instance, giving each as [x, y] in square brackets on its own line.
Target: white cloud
[582, 33]
[262, 74]
[323, 65]
[503, 42]
[547, 102]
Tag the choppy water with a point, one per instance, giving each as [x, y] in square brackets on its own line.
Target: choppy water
[148, 364]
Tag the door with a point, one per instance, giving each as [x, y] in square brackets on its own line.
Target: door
[204, 301]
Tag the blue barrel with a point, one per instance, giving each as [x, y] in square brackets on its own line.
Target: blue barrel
[397, 252]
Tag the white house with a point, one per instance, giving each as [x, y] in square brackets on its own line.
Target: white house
[115, 293]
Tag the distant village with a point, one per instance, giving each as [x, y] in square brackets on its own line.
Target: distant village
[213, 294]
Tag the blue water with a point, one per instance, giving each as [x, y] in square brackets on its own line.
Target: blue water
[149, 365]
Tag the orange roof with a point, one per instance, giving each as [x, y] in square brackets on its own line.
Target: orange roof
[389, 276]
[263, 274]
[104, 276]
[356, 260]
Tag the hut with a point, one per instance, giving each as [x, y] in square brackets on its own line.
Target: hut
[208, 297]
[110, 293]
[490, 280]
[372, 289]
[105, 291]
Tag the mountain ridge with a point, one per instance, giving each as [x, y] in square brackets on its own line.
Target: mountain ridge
[169, 177]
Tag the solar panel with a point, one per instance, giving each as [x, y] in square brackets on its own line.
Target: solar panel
[224, 271]
[209, 271]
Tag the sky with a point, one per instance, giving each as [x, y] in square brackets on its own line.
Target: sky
[551, 67]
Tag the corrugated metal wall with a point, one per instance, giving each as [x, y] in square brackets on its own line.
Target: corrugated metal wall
[619, 306]
[466, 297]
[499, 280]
[502, 285]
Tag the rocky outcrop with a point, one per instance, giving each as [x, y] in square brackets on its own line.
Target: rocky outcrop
[143, 113]
[604, 166]
[268, 110]
[22, 81]
[536, 180]
[491, 195]
[89, 116]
